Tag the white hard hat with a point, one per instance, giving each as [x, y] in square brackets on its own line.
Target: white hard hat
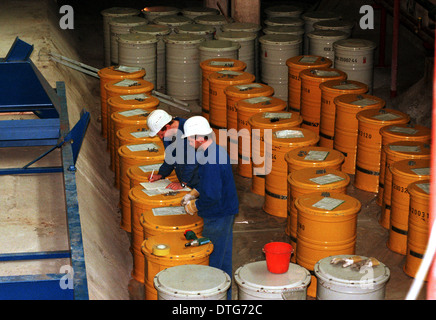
[196, 125]
[156, 120]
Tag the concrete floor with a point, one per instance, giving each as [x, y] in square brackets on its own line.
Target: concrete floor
[106, 245]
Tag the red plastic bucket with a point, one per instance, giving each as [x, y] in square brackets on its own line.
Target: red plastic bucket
[278, 256]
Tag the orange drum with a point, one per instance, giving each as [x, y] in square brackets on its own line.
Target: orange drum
[418, 232]
[310, 106]
[165, 251]
[404, 172]
[131, 135]
[307, 180]
[400, 132]
[141, 202]
[369, 145]
[212, 65]
[327, 226]
[218, 82]
[295, 66]
[245, 110]
[126, 87]
[130, 155]
[396, 151]
[346, 124]
[138, 174]
[125, 103]
[313, 156]
[122, 119]
[258, 123]
[329, 91]
[236, 93]
[110, 74]
[276, 189]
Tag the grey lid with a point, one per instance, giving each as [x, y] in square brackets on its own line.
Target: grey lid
[241, 26]
[327, 34]
[321, 15]
[173, 20]
[219, 45]
[128, 21]
[156, 29]
[334, 24]
[284, 30]
[156, 10]
[211, 19]
[200, 11]
[284, 21]
[236, 35]
[195, 29]
[137, 38]
[354, 44]
[284, 10]
[119, 12]
[280, 39]
[184, 38]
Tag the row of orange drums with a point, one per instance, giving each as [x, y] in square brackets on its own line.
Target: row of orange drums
[154, 217]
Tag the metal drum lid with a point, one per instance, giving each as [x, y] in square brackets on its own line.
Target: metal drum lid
[219, 45]
[327, 34]
[135, 133]
[324, 204]
[241, 26]
[199, 29]
[320, 15]
[133, 116]
[230, 76]
[192, 280]
[382, 116]
[294, 137]
[173, 20]
[236, 36]
[113, 73]
[306, 61]
[420, 189]
[298, 31]
[314, 178]
[284, 10]
[405, 131]
[199, 11]
[156, 29]
[214, 20]
[314, 156]
[156, 11]
[336, 273]
[248, 90]
[143, 151]
[284, 21]
[352, 44]
[412, 149]
[128, 86]
[216, 64]
[416, 168]
[358, 101]
[134, 101]
[256, 276]
[138, 194]
[276, 119]
[322, 74]
[167, 219]
[334, 24]
[128, 21]
[137, 38]
[280, 39]
[119, 12]
[261, 104]
[339, 86]
[184, 38]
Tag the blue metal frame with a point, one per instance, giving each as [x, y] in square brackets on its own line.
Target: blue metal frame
[51, 129]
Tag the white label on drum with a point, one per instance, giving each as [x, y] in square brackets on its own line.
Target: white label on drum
[424, 187]
[230, 72]
[141, 134]
[134, 112]
[364, 102]
[142, 147]
[140, 96]
[126, 83]
[222, 63]
[279, 115]
[314, 155]
[308, 59]
[127, 69]
[405, 148]
[346, 86]
[150, 167]
[257, 100]
[286, 134]
[421, 171]
[328, 203]
[409, 131]
[386, 116]
[323, 73]
[327, 179]
[168, 211]
[245, 87]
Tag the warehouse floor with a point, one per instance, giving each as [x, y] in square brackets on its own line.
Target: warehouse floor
[107, 247]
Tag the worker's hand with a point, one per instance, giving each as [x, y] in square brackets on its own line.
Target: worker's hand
[193, 194]
[155, 177]
[191, 208]
[174, 186]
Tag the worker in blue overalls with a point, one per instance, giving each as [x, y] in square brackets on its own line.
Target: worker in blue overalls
[215, 198]
[178, 157]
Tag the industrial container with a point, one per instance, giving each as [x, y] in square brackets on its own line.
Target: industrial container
[312, 17]
[321, 42]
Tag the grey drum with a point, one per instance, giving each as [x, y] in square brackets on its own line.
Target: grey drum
[275, 49]
[173, 21]
[312, 17]
[197, 29]
[121, 26]
[108, 15]
[321, 42]
[183, 66]
[194, 12]
[338, 25]
[215, 20]
[159, 31]
[135, 49]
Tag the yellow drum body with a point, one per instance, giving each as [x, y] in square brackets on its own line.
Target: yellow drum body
[418, 232]
[276, 190]
[313, 156]
[308, 180]
[212, 65]
[396, 151]
[124, 88]
[310, 106]
[140, 203]
[106, 75]
[324, 232]
[258, 124]
[218, 82]
[346, 124]
[177, 255]
[404, 172]
[130, 155]
[295, 66]
[401, 132]
[329, 91]
[368, 152]
[120, 120]
[245, 110]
